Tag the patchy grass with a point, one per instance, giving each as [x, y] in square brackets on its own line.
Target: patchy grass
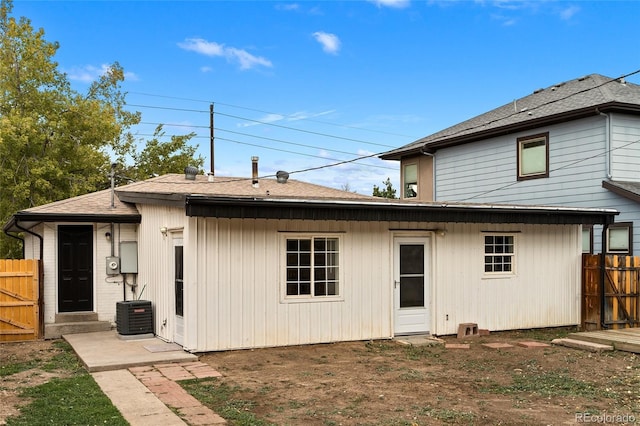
[77, 400]
[225, 400]
[69, 397]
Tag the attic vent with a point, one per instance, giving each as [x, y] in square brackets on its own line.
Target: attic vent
[190, 172]
[282, 176]
[537, 91]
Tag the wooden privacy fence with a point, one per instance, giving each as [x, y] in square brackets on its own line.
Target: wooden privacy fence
[621, 292]
[19, 300]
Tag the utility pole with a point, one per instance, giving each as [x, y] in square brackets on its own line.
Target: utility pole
[211, 148]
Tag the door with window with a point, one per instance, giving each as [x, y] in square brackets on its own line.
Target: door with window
[412, 311]
[178, 287]
[75, 268]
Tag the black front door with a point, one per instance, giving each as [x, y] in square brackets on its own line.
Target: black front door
[75, 268]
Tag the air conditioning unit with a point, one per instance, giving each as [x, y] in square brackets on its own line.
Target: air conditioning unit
[134, 317]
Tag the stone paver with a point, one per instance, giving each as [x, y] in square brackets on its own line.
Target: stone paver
[161, 380]
[497, 345]
[457, 346]
[531, 345]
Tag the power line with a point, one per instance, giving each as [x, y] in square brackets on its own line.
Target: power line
[291, 116]
[552, 170]
[484, 124]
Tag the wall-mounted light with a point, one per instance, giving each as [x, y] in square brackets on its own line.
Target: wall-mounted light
[441, 232]
[163, 231]
[107, 235]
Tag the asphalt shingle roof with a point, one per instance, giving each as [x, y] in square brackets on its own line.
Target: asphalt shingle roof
[558, 102]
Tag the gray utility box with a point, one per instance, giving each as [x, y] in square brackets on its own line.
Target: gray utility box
[134, 317]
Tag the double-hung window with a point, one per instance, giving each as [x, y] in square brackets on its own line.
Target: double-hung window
[499, 254]
[312, 267]
[533, 156]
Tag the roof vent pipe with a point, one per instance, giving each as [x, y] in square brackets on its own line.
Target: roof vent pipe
[254, 172]
[282, 176]
[190, 172]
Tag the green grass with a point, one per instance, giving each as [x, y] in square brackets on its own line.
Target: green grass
[547, 384]
[224, 400]
[74, 399]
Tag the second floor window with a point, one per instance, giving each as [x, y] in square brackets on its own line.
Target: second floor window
[533, 156]
[410, 179]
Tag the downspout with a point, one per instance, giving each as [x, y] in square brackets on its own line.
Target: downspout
[17, 238]
[603, 273]
[40, 277]
[35, 235]
[607, 142]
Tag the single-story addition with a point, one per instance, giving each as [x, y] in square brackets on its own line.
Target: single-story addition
[246, 263]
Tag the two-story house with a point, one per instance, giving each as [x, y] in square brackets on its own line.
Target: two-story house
[575, 143]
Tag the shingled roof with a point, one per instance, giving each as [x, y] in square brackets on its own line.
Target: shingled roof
[571, 100]
[174, 188]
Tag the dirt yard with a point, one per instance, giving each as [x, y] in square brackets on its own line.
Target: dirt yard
[388, 383]
[25, 358]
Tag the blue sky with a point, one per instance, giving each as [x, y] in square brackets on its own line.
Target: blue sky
[310, 83]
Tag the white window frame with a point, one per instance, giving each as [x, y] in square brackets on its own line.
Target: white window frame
[617, 226]
[310, 298]
[513, 255]
[405, 183]
[543, 137]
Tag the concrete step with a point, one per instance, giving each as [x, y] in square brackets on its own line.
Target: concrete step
[582, 344]
[76, 317]
[57, 330]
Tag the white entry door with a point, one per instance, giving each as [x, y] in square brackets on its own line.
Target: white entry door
[412, 311]
[178, 286]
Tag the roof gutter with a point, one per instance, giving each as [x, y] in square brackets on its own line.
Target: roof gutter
[357, 210]
[28, 231]
[6, 232]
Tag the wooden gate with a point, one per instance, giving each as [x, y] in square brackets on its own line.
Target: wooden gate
[19, 300]
[621, 292]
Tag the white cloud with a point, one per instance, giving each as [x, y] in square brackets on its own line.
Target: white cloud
[288, 6]
[210, 48]
[569, 12]
[296, 116]
[330, 42]
[396, 4]
[90, 73]
[206, 69]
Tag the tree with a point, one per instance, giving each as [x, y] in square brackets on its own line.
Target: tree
[387, 192]
[158, 158]
[56, 143]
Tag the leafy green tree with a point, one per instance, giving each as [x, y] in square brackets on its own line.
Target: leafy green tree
[57, 143]
[387, 192]
[158, 157]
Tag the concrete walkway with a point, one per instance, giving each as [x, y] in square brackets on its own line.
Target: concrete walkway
[139, 376]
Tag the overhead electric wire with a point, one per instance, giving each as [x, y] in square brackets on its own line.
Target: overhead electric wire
[484, 124]
[609, 151]
[254, 136]
[273, 113]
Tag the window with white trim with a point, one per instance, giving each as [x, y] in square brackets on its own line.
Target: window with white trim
[312, 267]
[533, 156]
[499, 254]
[619, 238]
[410, 179]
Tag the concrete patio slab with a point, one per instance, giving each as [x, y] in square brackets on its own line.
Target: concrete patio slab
[105, 351]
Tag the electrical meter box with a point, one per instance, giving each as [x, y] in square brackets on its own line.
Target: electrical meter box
[129, 257]
[113, 265]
